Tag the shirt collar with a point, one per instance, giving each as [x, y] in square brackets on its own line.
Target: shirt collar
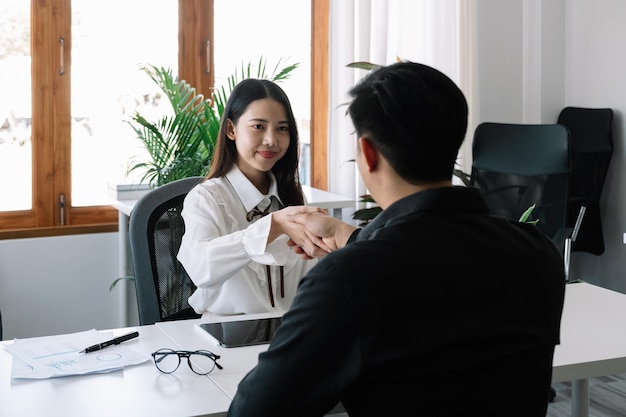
[249, 195]
[454, 199]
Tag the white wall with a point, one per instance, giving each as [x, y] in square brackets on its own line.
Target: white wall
[58, 285]
[575, 61]
[595, 75]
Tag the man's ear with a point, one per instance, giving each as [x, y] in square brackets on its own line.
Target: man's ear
[370, 153]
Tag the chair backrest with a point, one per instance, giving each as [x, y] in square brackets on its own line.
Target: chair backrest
[520, 165]
[591, 136]
[156, 229]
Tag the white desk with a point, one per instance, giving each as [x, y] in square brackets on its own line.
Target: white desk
[137, 391]
[315, 197]
[593, 343]
[237, 362]
[593, 340]
[329, 201]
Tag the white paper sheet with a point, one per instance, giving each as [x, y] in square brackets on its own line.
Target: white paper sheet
[54, 356]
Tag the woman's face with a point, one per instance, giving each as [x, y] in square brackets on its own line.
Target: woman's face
[261, 137]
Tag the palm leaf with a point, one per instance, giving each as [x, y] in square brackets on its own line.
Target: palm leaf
[526, 214]
[220, 95]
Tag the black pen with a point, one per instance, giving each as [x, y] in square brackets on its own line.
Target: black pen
[115, 341]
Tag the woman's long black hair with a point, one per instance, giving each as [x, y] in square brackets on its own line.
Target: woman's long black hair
[286, 169]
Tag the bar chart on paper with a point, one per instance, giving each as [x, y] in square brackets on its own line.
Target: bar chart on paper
[54, 356]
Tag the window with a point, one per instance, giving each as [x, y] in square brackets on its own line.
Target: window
[277, 40]
[107, 87]
[56, 155]
[15, 109]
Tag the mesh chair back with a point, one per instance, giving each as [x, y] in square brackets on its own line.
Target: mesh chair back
[156, 230]
[517, 165]
[591, 137]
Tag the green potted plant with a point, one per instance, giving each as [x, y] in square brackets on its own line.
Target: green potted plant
[179, 145]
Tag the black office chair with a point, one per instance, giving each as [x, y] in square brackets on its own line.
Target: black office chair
[156, 229]
[518, 165]
[591, 139]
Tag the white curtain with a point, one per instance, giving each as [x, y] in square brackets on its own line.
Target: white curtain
[434, 32]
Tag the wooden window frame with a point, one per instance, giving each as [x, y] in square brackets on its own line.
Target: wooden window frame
[51, 112]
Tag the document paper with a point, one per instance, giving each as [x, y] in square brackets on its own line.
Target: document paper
[54, 356]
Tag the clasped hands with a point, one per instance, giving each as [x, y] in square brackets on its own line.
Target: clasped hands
[312, 232]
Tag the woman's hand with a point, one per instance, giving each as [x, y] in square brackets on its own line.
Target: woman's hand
[324, 231]
[305, 243]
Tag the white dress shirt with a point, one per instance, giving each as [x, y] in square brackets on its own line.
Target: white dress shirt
[226, 256]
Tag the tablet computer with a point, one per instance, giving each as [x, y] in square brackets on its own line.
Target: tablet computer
[244, 332]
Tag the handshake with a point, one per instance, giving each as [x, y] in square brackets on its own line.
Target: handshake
[312, 232]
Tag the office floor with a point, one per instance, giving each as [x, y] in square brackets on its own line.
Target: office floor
[607, 397]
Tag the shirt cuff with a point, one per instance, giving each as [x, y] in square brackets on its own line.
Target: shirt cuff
[255, 243]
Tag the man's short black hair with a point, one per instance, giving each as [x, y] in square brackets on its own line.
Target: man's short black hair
[415, 115]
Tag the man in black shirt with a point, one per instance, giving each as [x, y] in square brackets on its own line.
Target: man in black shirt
[435, 308]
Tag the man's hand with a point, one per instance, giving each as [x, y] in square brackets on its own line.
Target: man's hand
[307, 245]
[322, 230]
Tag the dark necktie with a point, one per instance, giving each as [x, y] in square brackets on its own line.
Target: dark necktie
[255, 212]
[250, 216]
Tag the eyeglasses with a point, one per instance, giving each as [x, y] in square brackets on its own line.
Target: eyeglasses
[202, 362]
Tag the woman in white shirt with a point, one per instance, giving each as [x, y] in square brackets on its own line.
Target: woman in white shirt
[235, 243]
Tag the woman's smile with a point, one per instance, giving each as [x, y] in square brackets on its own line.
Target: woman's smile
[267, 154]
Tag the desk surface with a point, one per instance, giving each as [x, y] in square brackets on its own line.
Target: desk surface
[593, 334]
[314, 197]
[237, 362]
[137, 391]
[593, 343]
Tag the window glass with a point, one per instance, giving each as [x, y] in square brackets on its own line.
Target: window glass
[111, 40]
[15, 106]
[277, 30]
